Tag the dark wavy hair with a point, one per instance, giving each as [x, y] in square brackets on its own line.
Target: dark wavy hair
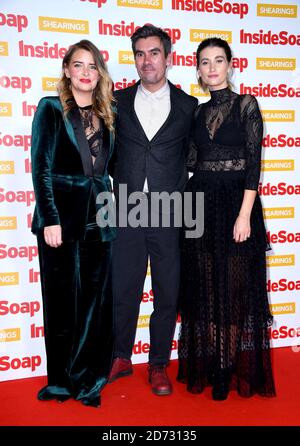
[152, 31]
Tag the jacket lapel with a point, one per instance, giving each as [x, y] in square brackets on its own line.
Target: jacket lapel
[103, 155]
[70, 132]
[81, 141]
[130, 108]
[68, 125]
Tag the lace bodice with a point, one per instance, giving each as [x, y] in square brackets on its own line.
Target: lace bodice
[91, 125]
[226, 136]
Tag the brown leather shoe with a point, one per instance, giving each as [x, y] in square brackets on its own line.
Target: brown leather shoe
[121, 367]
[159, 380]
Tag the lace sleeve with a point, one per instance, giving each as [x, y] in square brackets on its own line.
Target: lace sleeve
[192, 150]
[253, 126]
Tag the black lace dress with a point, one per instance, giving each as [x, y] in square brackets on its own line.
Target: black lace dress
[224, 307]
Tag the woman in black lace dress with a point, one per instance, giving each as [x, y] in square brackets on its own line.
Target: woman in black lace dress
[224, 306]
[72, 142]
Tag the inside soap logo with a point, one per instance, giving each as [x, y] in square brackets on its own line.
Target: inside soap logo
[212, 6]
[20, 22]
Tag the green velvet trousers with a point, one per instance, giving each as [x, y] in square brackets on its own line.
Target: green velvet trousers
[77, 303]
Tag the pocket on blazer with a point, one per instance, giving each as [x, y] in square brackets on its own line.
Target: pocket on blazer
[62, 182]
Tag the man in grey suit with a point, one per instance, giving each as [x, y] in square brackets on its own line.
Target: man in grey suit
[152, 128]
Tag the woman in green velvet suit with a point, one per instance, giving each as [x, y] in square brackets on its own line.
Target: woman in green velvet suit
[72, 143]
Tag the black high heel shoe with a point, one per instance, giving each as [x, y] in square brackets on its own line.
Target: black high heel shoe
[93, 402]
[49, 393]
[62, 398]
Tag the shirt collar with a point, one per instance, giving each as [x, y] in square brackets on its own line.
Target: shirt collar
[157, 94]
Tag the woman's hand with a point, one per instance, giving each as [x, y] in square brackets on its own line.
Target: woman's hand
[52, 235]
[241, 229]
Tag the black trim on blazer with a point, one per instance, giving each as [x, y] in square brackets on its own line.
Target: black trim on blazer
[100, 164]
[101, 161]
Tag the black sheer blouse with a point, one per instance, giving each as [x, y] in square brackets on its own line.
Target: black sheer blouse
[93, 130]
[226, 136]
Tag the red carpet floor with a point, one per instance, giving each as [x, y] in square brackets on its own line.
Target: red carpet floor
[129, 402]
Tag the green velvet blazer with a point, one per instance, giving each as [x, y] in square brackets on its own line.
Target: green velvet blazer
[64, 177]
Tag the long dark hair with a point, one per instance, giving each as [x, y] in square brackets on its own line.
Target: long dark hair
[213, 42]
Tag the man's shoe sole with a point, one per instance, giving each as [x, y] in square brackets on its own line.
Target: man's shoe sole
[162, 392]
[120, 375]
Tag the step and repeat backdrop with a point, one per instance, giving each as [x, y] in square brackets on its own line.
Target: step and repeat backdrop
[34, 37]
